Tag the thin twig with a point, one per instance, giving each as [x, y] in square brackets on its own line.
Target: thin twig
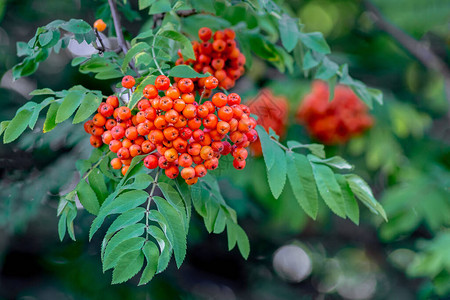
[280, 144]
[96, 165]
[102, 48]
[154, 56]
[420, 51]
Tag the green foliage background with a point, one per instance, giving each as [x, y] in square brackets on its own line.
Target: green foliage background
[405, 158]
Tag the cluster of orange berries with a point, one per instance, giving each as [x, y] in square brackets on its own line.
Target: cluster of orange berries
[219, 57]
[174, 129]
[336, 121]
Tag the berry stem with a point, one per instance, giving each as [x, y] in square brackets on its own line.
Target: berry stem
[154, 57]
[224, 91]
[149, 201]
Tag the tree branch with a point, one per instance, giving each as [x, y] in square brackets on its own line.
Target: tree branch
[119, 33]
[117, 26]
[420, 51]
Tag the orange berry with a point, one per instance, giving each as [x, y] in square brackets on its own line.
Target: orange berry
[151, 161]
[150, 91]
[172, 172]
[96, 141]
[124, 113]
[116, 163]
[125, 170]
[188, 173]
[162, 82]
[185, 160]
[115, 145]
[192, 181]
[100, 25]
[219, 99]
[147, 147]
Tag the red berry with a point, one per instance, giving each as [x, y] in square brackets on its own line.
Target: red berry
[128, 81]
[151, 161]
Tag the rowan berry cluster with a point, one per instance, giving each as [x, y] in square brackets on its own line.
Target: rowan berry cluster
[174, 129]
[272, 112]
[336, 121]
[219, 57]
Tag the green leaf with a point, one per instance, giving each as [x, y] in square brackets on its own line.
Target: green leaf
[125, 234]
[164, 246]
[301, 177]
[176, 227]
[160, 6]
[139, 47]
[315, 41]
[17, 125]
[45, 38]
[112, 259]
[184, 71]
[187, 51]
[69, 105]
[121, 204]
[124, 220]
[327, 69]
[76, 26]
[288, 31]
[87, 197]
[50, 120]
[277, 173]
[44, 91]
[3, 126]
[137, 94]
[329, 188]
[78, 60]
[175, 200]
[96, 64]
[97, 183]
[237, 235]
[145, 3]
[72, 213]
[220, 222]
[316, 149]
[351, 206]
[212, 211]
[62, 225]
[376, 95]
[109, 74]
[37, 111]
[242, 241]
[143, 58]
[151, 254]
[231, 235]
[362, 190]
[266, 145]
[335, 162]
[89, 104]
[128, 266]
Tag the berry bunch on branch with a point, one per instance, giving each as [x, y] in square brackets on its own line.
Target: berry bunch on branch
[216, 53]
[174, 129]
[336, 121]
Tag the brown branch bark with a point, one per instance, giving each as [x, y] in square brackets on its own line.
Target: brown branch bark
[417, 49]
[119, 33]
